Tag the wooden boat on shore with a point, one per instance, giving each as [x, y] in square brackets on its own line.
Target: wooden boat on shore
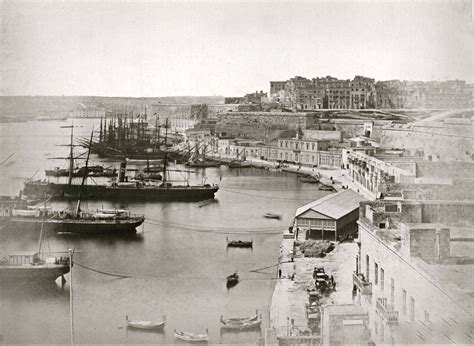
[191, 337]
[239, 243]
[232, 280]
[146, 325]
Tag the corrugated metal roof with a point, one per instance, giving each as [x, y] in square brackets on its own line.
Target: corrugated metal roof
[334, 205]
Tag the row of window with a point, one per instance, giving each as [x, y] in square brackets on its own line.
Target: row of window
[297, 145]
[379, 280]
[323, 159]
[317, 224]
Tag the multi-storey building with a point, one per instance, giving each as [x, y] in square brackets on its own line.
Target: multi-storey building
[309, 153]
[301, 93]
[309, 98]
[370, 172]
[362, 93]
[338, 93]
[413, 274]
[277, 86]
[244, 149]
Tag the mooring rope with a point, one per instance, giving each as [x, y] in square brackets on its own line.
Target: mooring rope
[102, 272]
[127, 276]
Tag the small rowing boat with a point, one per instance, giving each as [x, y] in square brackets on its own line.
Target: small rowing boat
[191, 337]
[232, 280]
[239, 243]
[271, 216]
[240, 319]
[244, 325]
[148, 325]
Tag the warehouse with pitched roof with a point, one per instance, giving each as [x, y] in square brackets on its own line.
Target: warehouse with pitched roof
[333, 217]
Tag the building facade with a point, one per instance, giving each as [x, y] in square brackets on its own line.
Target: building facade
[88, 113]
[332, 217]
[303, 94]
[309, 153]
[410, 276]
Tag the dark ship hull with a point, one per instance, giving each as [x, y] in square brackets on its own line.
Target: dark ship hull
[206, 164]
[28, 273]
[122, 193]
[76, 226]
[239, 165]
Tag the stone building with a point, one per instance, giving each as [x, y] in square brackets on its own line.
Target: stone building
[296, 150]
[412, 275]
[307, 152]
[338, 93]
[344, 324]
[362, 93]
[303, 94]
[300, 93]
[88, 113]
[370, 172]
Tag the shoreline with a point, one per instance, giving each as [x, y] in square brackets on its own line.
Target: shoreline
[340, 176]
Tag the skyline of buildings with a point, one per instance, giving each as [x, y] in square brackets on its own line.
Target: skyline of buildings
[304, 94]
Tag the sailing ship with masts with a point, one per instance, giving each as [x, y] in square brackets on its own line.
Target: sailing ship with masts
[75, 171]
[125, 189]
[103, 221]
[129, 136]
[239, 161]
[199, 160]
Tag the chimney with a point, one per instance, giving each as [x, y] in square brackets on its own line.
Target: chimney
[123, 166]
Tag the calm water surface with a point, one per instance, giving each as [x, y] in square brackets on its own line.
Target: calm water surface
[178, 261]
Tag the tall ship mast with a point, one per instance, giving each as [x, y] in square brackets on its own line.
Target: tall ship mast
[123, 190]
[72, 171]
[32, 267]
[101, 221]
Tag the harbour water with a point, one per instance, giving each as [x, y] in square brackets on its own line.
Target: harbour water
[177, 263]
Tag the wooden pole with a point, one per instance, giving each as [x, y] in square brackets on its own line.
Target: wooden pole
[71, 311]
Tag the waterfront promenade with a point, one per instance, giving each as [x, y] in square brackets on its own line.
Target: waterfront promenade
[287, 309]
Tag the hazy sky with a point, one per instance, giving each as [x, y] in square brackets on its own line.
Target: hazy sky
[227, 48]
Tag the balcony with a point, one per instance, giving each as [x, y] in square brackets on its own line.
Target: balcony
[363, 286]
[387, 311]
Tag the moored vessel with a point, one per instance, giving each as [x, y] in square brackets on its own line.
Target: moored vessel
[239, 243]
[232, 280]
[191, 337]
[146, 325]
[69, 221]
[28, 267]
[124, 190]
